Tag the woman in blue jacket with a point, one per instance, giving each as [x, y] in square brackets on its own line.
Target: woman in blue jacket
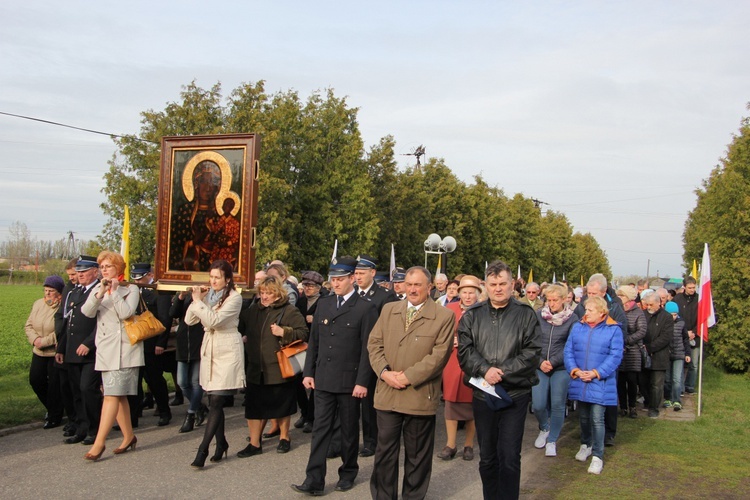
[592, 354]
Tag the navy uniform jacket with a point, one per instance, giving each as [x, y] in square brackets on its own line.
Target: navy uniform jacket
[337, 356]
[77, 328]
[379, 296]
[159, 305]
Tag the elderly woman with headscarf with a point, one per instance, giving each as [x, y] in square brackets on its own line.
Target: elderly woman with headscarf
[550, 395]
[458, 396]
[40, 330]
[592, 354]
[627, 379]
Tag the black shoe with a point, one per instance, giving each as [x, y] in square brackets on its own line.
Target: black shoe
[164, 419]
[189, 423]
[609, 441]
[221, 449]
[177, 400]
[344, 485]
[89, 440]
[299, 423]
[307, 490]
[366, 452]
[69, 427]
[116, 427]
[284, 446]
[307, 428]
[76, 438]
[51, 424]
[148, 401]
[200, 459]
[69, 432]
[249, 451]
[271, 434]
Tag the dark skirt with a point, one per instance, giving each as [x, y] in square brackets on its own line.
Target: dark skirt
[459, 411]
[270, 401]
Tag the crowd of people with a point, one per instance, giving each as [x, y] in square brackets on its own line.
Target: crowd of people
[382, 352]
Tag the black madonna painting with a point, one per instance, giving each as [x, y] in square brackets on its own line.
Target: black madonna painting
[207, 207]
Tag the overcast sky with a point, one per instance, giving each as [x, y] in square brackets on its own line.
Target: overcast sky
[610, 112]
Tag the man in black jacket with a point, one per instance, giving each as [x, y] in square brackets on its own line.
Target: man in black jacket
[76, 348]
[659, 332]
[688, 304]
[338, 368]
[498, 341]
[153, 348]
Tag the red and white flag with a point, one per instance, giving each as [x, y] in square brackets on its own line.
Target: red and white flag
[706, 317]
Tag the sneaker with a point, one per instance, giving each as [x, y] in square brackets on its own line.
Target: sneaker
[667, 404]
[541, 440]
[653, 414]
[550, 450]
[676, 406]
[633, 413]
[596, 465]
[584, 453]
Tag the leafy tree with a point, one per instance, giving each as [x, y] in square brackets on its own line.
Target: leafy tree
[587, 258]
[721, 218]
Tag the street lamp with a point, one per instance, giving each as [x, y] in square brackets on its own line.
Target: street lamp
[436, 246]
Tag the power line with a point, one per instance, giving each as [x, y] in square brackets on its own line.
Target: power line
[78, 128]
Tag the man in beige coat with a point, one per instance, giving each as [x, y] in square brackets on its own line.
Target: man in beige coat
[409, 347]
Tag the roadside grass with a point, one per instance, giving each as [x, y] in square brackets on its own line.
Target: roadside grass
[18, 403]
[669, 459]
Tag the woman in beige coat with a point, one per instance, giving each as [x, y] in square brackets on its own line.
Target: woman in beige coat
[218, 307]
[111, 303]
[40, 330]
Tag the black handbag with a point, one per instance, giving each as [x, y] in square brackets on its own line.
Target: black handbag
[645, 357]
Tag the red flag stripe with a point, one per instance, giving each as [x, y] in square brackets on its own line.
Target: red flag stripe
[706, 316]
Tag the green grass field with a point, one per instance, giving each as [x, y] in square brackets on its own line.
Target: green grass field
[18, 403]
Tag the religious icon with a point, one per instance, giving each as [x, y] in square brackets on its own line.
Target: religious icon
[207, 206]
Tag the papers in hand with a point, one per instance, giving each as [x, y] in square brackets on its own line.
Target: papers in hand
[483, 385]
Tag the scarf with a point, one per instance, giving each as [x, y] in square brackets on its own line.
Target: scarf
[214, 297]
[557, 318]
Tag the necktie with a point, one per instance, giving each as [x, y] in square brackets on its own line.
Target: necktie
[341, 301]
[411, 312]
[361, 293]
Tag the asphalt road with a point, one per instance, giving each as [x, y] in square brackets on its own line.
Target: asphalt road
[37, 464]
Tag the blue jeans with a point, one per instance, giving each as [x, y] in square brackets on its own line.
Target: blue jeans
[548, 399]
[673, 381]
[592, 426]
[188, 377]
[500, 437]
[692, 370]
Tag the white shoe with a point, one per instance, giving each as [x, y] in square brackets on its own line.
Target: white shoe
[551, 450]
[596, 466]
[541, 440]
[584, 453]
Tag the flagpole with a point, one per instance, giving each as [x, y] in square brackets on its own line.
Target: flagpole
[700, 373]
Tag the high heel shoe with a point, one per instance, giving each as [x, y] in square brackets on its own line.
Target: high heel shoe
[200, 459]
[221, 449]
[94, 458]
[125, 448]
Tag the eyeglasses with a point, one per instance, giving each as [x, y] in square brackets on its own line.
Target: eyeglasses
[107, 266]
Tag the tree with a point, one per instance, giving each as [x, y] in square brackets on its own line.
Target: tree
[587, 258]
[20, 244]
[721, 218]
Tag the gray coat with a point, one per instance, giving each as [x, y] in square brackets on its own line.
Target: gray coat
[631, 358]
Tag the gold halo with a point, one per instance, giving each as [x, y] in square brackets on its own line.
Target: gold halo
[220, 161]
[223, 195]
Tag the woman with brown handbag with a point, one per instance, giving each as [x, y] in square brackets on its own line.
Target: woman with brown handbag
[268, 325]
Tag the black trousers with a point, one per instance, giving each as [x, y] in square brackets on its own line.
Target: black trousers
[656, 388]
[85, 384]
[419, 441]
[627, 389]
[45, 381]
[500, 436]
[153, 373]
[370, 418]
[304, 402]
[328, 406]
[610, 417]
[66, 393]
